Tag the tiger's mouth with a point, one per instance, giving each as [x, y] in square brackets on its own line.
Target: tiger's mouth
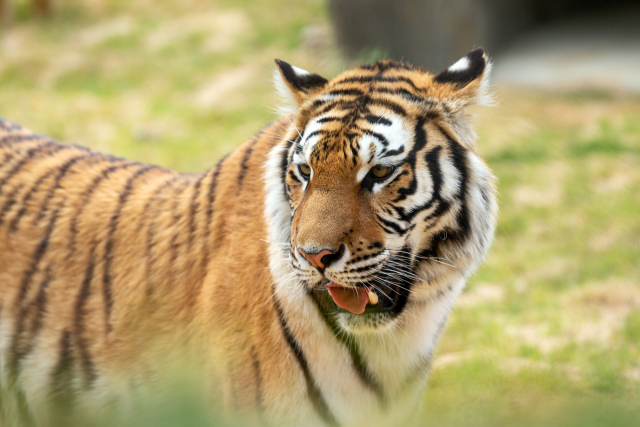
[391, 288]
[355, 299]
[388, 292]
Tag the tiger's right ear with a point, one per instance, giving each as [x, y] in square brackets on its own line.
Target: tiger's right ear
[295, 85]
[466, 82]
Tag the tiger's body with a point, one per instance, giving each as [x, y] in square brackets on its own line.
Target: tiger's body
[112, 270]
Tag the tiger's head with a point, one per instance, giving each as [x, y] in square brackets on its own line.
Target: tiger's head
[378, 200]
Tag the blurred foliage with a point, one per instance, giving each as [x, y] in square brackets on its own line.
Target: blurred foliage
[548, 331]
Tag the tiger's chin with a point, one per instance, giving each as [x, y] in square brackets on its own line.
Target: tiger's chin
[366, 322]
[376, 318]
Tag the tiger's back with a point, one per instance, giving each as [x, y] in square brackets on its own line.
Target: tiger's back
[104, 259]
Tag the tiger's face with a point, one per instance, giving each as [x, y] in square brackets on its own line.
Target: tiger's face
[388, 200]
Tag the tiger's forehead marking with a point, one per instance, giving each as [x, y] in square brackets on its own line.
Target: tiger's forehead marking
[364, 120]
[383, 138]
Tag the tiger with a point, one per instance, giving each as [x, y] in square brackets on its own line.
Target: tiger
[306, 277]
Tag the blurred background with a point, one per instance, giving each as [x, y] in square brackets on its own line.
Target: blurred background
[548, 331]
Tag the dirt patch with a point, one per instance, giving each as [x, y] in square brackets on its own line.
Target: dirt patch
[596, 312]
[221, 28]
[15, 44]
[532, 196]
[61, 65]
[214, 92]
[451, 359]
[104, 31]
[536, 335]
[481, 294]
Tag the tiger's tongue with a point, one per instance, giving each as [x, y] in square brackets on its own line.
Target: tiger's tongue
[352, 299]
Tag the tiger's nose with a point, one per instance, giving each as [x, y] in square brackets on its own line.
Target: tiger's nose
[318, 260]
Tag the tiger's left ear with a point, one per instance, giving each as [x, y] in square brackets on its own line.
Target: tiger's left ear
[295, 85]
[466, 82]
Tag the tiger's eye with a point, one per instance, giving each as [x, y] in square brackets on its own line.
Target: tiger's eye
[380, 171]
[305, 170]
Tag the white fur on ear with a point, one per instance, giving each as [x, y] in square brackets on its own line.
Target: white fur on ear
[483, 95]
[294, 85]
[287, 102]
[469, 75]
[462, 64]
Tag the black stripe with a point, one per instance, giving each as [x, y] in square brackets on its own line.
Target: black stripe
[38, 304]
[393, 106]
[85, 198]
[433, 163]
[459, 157]
[258, 377]
[348, 92]
[245, 159]
[359, 364]
[358, 79]
[392, 225]
[314, 393]
[27, 197]
[9, 125]
[377, 120]
[293, 176]
[420, 143]
[8, 156]
[211, 199]
[379, 137]
[329, 119]
[61, 375]
[376, 78]
[86, 362]
[405, 94]
[193, 207]
[29, 154]
[393, 152]
[150, 231]
[108, 256]
[441, 209]
[173, 244]
[20, 138]
[310, 111]
[21, 345]
[398, 79]
[62, 170]
[354, 153]
[284, 166]
[6, 124]
[318, 108]
[10, 200]
[314, 133]
[56, 185]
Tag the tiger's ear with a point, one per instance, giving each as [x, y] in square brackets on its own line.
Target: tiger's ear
[295, 85]
[466, 82]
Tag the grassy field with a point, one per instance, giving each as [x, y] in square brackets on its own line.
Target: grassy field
[547, 332]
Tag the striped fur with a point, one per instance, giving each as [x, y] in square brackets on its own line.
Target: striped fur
[111, 270]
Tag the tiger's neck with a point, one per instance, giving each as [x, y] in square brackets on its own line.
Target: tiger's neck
[381, 373]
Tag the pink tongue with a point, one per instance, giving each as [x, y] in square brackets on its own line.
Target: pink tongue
[352, 299]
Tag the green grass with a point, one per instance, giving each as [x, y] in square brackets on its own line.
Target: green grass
[548, 330]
